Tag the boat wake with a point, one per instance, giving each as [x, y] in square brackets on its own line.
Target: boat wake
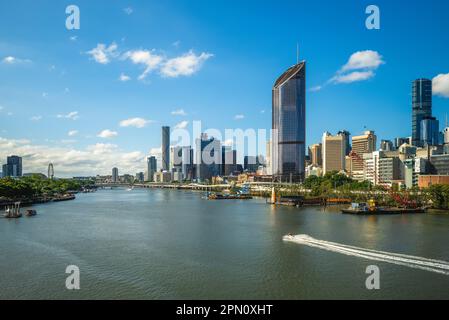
[432, 265]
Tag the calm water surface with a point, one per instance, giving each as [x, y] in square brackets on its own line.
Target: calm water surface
[164, 244]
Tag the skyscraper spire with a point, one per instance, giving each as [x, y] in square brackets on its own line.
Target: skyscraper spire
[297, 52]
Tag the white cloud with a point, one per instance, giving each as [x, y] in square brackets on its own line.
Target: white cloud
[360, 67]
[353, 76]
[94, 159]
[149, 59]
[179, 112]
[73, 38]
[316, 88]
[239, 117]
[123, 77]
[185, 65]
[72, 133]
[440, 85]
[107, 134]
[36, 118]
[14, 60]
[367, 59]
[182, 125]
[128, 10]
[134, 122]
[71, 115]
[103, 54]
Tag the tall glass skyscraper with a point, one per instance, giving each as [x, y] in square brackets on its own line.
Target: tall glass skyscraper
[430, 131]
[165, 148]
[289, 124]
[421, 107]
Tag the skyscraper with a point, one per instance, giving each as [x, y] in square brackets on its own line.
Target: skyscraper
[13, 167]
[208, 157]
[289, 124]
[151, 168]
[187, 162]
[430, 131]
[115, 177]
[333, 152]
[269, 169]
[165, 148]
[421, 107]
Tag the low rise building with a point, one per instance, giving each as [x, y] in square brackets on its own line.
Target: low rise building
[425, 181]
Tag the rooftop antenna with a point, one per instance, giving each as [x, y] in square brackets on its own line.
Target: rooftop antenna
[297, 53]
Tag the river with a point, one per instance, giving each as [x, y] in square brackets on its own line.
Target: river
[168, 244]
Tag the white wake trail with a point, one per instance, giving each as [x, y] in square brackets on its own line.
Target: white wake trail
[432, 265]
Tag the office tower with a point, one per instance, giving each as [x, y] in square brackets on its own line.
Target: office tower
[187, 163]
[289, 124]
[333, 152]
[421, 107]
[151, 168]
[400, 141]
[386, 145]
[208, 157]
[346, 134]
[316, 157]
[365, 143]
[228, 160]
[165, 148]
[251, 163]
[115, 177]
[13, 167]
[175, 158]
[430, 130]
[269, 165]
[51, 171]
[140, 177]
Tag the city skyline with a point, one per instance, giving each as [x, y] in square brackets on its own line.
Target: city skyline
[85, 109]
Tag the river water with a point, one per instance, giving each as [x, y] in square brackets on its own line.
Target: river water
[167, 244]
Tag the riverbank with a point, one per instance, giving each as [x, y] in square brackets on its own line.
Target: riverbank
[25, 202]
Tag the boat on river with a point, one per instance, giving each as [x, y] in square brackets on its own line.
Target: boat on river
[31, 213]
[13, 212]
[372, 209]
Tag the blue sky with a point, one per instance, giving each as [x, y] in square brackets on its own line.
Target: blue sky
[218, 60]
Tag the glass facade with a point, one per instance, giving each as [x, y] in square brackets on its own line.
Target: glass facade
[430, 131]
[165, 148]
[289, 124]
[421, 107]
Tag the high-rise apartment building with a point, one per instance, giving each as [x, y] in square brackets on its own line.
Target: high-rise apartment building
[289, 124]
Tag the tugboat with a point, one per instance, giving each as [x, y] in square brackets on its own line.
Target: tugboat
[13, 212]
